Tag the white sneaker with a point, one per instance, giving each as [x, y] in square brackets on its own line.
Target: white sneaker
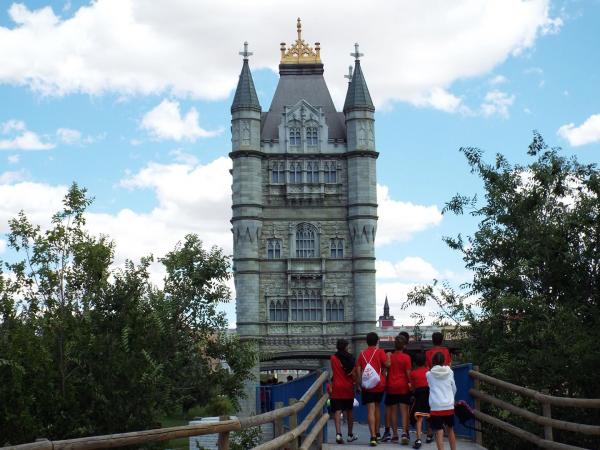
[352, 438]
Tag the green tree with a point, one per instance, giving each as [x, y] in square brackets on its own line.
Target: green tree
[88, 349]
[531, 315]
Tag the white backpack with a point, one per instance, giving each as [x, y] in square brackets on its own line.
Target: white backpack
[370, 377]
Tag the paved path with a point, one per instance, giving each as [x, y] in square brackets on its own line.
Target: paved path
[363, 441]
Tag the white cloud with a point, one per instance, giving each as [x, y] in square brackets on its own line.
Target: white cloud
[411, 268]
[68, 136]
[398, 220]
[166, 122]
[498, 79]
[497, 103]
[586, 133]
[16, 136]
[13, 159]
[171, 47]
[12, 177]
[2, 246]
[443, 100]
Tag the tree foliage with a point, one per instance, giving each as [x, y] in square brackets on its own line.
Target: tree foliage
[88, 349]
[531, 315]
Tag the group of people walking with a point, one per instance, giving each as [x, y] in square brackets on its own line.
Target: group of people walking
[423, 388]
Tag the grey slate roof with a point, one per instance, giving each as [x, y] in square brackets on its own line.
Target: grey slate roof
[302, 83]
[245, 94]
[358, 96]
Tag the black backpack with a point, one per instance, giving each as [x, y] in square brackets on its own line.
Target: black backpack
[464, 413]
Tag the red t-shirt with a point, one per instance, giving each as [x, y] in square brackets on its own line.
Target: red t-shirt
[343, 385]
[376, 357]
[418, 378]
[397, 382]
[432, 351]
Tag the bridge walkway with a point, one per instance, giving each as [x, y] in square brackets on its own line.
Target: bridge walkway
[362, 443]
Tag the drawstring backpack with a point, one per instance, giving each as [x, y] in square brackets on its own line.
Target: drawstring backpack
[370, 377]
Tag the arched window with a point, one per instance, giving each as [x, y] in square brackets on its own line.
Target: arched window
[278, 173]
[295, 136]
[337, 248]
[273, 248]
[334, 311]
[296, 173]
[278, 311]
[306, 241]
[330, 172]
[312, 136]
[307, 305]
[312, 172]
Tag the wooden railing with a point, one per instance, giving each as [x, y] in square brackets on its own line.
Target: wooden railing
[544, 420]
[223, 428]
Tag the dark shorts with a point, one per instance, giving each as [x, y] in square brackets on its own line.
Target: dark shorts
[341, 404]
[394, 399]
[371, 397]
[421, 405]
[438, 422]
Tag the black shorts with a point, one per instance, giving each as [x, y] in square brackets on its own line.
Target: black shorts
[438, 422]
[421, 405]
[394, 399]
[371, 397]
[341, 404]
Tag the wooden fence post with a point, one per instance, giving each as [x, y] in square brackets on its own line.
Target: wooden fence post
[547, 412]
[223, 440]
[294, 424]
[478, 424]
[278, 423]
[319, 439]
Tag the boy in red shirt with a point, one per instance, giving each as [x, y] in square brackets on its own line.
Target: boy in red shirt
[397, 391]
[342, 389]
[420, 387]
[437, 339]
[375, 359]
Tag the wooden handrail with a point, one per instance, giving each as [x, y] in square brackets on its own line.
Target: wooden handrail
[280, 441]
[166, 434]
[542, 398]
[314, 432]
[543, 443]
[540, 420]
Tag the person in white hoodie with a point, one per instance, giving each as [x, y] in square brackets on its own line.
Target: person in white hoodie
[442, 390]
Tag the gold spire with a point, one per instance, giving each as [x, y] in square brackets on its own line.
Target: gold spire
[300, 52]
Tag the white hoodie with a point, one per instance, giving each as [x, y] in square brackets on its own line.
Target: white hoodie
[441, 388]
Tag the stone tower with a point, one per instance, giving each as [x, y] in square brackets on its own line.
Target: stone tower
[304, 212]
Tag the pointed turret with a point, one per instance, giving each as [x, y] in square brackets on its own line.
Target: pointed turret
[245, 93]
[358, 97]
[386, 308]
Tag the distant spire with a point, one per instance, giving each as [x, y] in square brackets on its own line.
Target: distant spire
[358, 96]
[386, 308]
[349, 76]
[245, 94]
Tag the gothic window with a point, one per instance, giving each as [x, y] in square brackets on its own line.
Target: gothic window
[273, 248]
[312, 172]
[334, 311]
[337, 248]
[278, 173]
[312, 136]
[305, 241]
[330, 172]
[295, 136]
[307, 305]
[278, 311]
[296, 173]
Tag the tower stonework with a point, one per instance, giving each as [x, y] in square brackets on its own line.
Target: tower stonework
[304, 214]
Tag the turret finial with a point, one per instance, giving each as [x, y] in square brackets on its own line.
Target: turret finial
[356, 53]
[246, 53]
[300, 52]
[299, 28]
[349, 76]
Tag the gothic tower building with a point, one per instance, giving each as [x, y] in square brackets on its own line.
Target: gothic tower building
[304, 210]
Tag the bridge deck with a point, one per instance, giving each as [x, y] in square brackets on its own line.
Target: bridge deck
[363, 441]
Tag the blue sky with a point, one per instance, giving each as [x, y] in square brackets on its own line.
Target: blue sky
[131, 100]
